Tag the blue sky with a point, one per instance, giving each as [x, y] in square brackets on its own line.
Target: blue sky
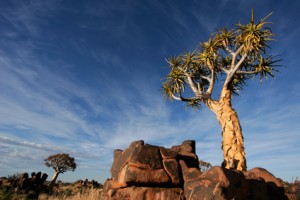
[84, 78]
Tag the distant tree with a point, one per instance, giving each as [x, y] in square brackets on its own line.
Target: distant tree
[204, 166]
[60, 163]
[229, 58]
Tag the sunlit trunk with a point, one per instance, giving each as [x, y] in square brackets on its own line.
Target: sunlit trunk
[232, 137]
[53, 180]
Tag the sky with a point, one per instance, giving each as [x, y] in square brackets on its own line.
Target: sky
[85, 77]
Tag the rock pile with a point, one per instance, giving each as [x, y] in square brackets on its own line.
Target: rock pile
[36, 181]
[87, 183]
[22, 184]
[147, 172]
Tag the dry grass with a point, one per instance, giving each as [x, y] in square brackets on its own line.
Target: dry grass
[90, 194]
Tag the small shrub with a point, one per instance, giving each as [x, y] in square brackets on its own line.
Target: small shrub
[6, 193]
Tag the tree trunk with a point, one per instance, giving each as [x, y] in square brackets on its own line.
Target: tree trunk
[232, 137]
[54, 178]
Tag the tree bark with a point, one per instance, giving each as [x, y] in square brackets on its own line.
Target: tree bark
[232, 137]
[53, 180]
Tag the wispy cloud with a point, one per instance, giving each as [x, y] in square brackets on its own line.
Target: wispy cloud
[24, 143]
[102, 94]
[28, 16]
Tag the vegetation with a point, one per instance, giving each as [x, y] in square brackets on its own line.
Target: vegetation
[228, 59]
[91, 194]
[10, 189]
[60, 163]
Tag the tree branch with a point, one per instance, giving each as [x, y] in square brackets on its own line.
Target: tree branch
[238, 65]
[176, 97]
[206, 78]
[234, 69]
[225, 70]
[234, 56]
[211, 83]
[227, 49]
[246, 72]
[197, 91]
[189, 99]
[183, 98]
[194, 88]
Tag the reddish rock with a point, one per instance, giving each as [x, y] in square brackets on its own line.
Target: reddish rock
[132, 175]
[117, 163]
[144, 193]
[217, 183]
[167, 153]
[190, 159]
[260, 176]
[172, 167]
[189, 146]
[146, 156]
[189, 174]
[138, 155]
[144, 172]
[185, 152]
[260, 173]
[122, 157]
[258, 189]
[112, 184]
[186, 146]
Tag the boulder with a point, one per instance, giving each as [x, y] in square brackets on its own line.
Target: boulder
[24, 181]
[217, 183]
[144, 171]
[265, 182]
[38, 178]
[44, 178]
[143, 164]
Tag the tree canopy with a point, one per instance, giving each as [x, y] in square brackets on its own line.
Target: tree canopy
[231, 56]
[61, 163]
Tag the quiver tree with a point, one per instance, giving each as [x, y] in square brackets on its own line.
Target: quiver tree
[60, 163]
[229, 58]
